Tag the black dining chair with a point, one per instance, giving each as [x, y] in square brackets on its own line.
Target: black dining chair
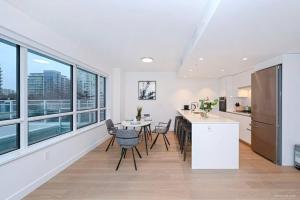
[112, 130]
[128, 139]
[162, 129]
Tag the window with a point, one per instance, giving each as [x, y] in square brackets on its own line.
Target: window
[102, 98]
[49, 85]
[86, 98]
[9, 96]
[9, 138]
[9, 76]
[86, 90]
[41, 130]
[86, 118]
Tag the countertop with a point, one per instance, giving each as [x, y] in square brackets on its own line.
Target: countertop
[211, 119]
[240, 113]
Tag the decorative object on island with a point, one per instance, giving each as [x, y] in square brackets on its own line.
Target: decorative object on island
[139, 113]
[207, 105]
[147, 90]
[194, 106]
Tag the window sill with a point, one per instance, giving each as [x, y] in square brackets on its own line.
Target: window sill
[17, 154]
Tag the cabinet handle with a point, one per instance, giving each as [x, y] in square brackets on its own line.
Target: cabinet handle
[248, 129]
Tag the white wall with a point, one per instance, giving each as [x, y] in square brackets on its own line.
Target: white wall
[25, 174]
[290, 109]
[21, 176]
[290, 98]
[172, 94]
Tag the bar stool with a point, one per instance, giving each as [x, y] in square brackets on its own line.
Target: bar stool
[187, 132]
[176, 123]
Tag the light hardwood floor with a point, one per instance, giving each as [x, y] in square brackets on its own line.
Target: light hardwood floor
[163, 175]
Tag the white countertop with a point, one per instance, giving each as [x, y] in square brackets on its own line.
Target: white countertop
[211, 119]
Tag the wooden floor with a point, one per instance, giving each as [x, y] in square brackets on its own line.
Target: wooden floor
[163, 175]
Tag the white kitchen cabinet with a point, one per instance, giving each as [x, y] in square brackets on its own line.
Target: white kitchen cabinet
[226, 87]
[245, 128]
[241, 80]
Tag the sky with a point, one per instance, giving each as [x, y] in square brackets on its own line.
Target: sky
[36, 64]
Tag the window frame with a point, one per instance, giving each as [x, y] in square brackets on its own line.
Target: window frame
[105, 99]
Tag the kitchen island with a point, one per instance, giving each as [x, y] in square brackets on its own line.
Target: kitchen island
[215, 141]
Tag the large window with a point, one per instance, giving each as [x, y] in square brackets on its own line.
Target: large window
[43, 86]
[49, 92]
[9, 96]
[102, 97]
[49, 85]
[86, 98]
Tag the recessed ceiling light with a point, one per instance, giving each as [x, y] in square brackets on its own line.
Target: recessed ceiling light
[41, 61]
[201, 59]
[147, 59]
[222, 70]
[190, 70]
[244, 59]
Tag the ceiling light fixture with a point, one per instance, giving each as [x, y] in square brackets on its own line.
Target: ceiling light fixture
[201, 59]
[222, 70]
[147, 59]
[244, 59]
[190, 70]
[41, 61]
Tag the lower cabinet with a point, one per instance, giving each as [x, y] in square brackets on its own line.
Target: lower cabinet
[245, 128]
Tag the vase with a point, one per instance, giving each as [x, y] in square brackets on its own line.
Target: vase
[204, 114]
[138, 118]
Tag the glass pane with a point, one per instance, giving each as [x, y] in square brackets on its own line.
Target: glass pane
[49, 85]
[8, 80]
[86, 118]
[86, 90]
[47, 128]
[102, 115]
[9, 138]
[102, 91]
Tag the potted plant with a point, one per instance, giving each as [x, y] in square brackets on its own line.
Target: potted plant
[207, 105]
[139, 113]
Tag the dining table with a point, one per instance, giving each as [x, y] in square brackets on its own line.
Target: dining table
[144, 125]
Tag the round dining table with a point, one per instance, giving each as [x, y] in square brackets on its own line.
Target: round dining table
[145, 126]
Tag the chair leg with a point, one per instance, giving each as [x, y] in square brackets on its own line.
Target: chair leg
[154, 141]
[125, 151]
[122, 152]
[134, 159]
[166, 144]
[138, 152]
[109, 143]
[114, 137]
[167, 139]
[185, 147]
[150, 132]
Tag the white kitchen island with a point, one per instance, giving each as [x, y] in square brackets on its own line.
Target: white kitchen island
[215, 141]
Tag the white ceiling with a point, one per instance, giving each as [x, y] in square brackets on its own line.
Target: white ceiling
[176, 33]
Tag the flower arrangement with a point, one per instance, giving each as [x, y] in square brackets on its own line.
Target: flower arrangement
[207, 105]
[139, 113]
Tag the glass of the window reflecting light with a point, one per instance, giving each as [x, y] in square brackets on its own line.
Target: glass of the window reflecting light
[102, 115]
[9, 138]
[102, 91]
[86, 90]
[48, 128]
[49, 85]
[9, 59]
[86, 118]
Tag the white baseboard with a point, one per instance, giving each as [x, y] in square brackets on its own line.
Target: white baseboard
[46, 177]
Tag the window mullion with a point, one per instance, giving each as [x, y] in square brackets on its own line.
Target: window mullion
[23, 99]
[74, 97]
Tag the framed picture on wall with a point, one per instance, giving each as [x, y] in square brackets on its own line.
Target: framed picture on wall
[147, 90]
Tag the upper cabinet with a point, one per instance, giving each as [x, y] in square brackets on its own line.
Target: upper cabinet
[236, 85]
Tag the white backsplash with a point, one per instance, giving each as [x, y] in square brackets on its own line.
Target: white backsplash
[232, 100]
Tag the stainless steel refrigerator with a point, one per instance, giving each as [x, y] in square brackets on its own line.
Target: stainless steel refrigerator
[266, 113]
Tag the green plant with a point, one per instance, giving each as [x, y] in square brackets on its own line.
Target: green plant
[207, 105]
[139, 113]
